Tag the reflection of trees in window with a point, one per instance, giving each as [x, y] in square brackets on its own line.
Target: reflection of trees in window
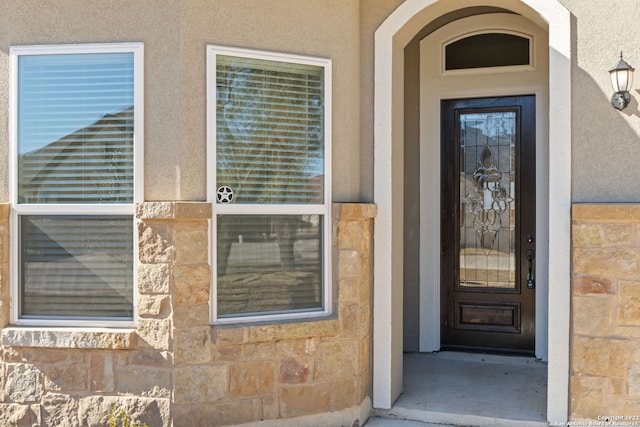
[270, 130]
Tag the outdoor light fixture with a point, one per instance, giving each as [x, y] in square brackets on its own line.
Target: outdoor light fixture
[621, 79]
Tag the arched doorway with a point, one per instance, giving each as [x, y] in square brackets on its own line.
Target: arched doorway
[391, 40]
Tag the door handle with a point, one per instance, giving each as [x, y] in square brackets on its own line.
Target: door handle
[531, 283]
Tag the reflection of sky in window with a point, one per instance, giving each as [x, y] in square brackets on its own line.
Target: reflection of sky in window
[491, 124]
[59, 94]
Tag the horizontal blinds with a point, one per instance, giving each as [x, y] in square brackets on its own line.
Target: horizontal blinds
[270, 130]
[268, 263]
[75, 128]
[77, 266]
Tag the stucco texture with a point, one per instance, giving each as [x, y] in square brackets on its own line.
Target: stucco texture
[175, 34]
[605, 141]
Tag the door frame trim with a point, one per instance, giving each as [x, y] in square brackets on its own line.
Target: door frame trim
[390, 39]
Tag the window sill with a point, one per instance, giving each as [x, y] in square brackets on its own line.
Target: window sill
[90, 338]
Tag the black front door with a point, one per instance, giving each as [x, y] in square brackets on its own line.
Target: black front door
[488, 224]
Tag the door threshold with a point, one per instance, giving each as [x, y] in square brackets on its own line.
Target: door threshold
[479, 356]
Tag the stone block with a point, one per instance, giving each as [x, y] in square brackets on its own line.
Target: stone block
[349, 319]
[152, 305]
[591, 356]
[297, 347]
[621, 356]
[588, 235]
[320, 328]
[347, 211]
[587, 285]
[50, 356]
[66, 378]
[260, 351]
[350, 235]
[296, 371]
[60, 410]
[589, 397]
[191, 316]
[605, 212]
[154, 333]
[90, 338]
[344, 394]
[623, 263]
[227, 353]
[349, 289]
[153, 278]
[155, 242]
[305, 399]
[200, 384]
[219, 414]
[191, 242]
[101, 375]
[151, 357]
[619, 234]
[625, 407]
[364, 319]
[12, 414]
[155, 210]
[154, 412]
[270, 407]
[253, 378]
[191, 285]
[143, 381]
[633, 380]
[227, 335]
[349, 264]
[193, 210]
[364, 355]
[192, 346]
[336, 359]
[592, 316]
[24, 383]
[628, 303]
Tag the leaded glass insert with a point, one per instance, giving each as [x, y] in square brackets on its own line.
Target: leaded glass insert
[487, 205]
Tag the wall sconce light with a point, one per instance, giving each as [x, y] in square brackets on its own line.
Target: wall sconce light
[621, 79]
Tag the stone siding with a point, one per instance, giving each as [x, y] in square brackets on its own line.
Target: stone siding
[605, 342]
[174, 368]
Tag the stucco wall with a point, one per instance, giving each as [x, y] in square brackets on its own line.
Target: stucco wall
[175, 34]
[606, 142]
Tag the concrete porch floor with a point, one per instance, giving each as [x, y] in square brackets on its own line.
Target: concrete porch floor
[467, 389]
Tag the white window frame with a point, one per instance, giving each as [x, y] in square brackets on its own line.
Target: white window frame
[137, 49]
[323, 209]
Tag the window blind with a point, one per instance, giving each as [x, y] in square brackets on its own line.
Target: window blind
[270, 130]
[78, 266]
[75, 128]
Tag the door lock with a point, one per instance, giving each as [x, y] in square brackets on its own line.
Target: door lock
[531, 283]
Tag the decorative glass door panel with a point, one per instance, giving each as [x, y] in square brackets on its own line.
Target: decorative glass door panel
[487, 191]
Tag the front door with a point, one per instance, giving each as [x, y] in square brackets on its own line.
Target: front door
[488, 224]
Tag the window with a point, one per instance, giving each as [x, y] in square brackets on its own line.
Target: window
[269, 140]
[76, 176]
[486, 50]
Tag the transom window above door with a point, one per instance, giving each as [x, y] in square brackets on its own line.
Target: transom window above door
[488, 50]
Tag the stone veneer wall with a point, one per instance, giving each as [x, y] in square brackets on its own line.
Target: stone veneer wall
[175, 368]
[605, 342]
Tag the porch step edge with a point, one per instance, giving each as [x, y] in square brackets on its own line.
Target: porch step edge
[448, 418]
